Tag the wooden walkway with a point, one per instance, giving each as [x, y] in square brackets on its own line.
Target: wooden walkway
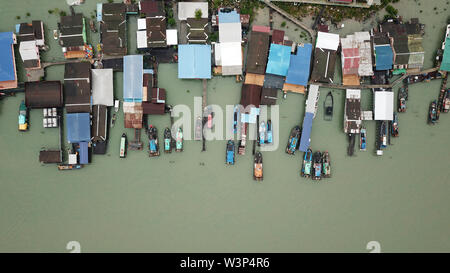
[294, 20]
[370, 86]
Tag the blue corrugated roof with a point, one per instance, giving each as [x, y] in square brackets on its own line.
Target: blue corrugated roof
[84, 153]
[229, 17]
[133, 66]
[279, 59]
[7, 72]
[299, 66]
[194, 61]
[78, 127]
[306, 131]
[384, 57]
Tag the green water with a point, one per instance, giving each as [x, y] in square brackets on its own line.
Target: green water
[191, 201]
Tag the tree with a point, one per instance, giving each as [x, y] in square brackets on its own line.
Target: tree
[198, 14]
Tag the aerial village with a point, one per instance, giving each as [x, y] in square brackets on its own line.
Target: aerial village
[83, 103]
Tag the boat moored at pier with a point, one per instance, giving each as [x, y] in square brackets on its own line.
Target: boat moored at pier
[258, 167]
[293, 141]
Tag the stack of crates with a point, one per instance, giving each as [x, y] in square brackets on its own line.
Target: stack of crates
[50, 118]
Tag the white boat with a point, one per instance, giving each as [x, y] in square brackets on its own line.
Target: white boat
[55, 34]
[116, 105]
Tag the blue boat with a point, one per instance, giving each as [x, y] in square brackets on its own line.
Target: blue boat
[230, 153]
[262, 133]
[269, 132]
[153, 141]
[307, 163]
[235, 118]
[293, 141]
[362, 139]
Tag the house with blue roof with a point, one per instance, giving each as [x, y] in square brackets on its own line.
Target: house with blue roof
[8, 75]
[384, 57]
[279, 60]
[78, 127]
[299, 68]
[194, 61]
[133, 66]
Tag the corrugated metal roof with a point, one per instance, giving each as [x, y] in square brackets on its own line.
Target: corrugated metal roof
[230, 32]
[384, 105]
[279, 59]
[133, 66]
[257, 52]
[277, 36]
[102, 87]
[327, 40]
[187, 9]
[384, 57]
[299, 66]
[194, 62]
[78, 127]
[229, 17]
[7, 61]
[356, 54]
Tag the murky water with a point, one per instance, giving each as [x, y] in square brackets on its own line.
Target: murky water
[191, 201]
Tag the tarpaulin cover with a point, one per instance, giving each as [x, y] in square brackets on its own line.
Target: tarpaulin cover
[299, 66]
[132, 78]
[7, 72]
[78, 127]
[84, 154]
[229, 17]
[306, 132]
[279, 59]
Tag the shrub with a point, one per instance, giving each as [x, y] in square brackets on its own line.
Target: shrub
[198, 14]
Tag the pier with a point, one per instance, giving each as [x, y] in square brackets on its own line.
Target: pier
[370, 86]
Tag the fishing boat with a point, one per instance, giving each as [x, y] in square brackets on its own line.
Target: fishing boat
[432, 113]
[116, 105]
[92, 26]
[153, 146]
[123, 146]
[229, 156]
[167, 140]
[293, 141]
[317, 166]
[63, 167]
[307, 163]
[210, 116]
[198, 129]
[383, 134]
[258, 167]
[262, 133]
[326, 165]
[236, 118]
[23, 117]
[328, 106]
[269, 132]
[179, 140]
[363, 139]
[394, 126]
[446, 104]
[402, 97]
[113, 120]
[351, 144]
[55, 34]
